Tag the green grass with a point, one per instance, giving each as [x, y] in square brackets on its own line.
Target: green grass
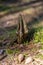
[38, 35]
[3, 8]
[14, 51]
[10, 33]
[41, 47]
[39, 56]
[26, 43]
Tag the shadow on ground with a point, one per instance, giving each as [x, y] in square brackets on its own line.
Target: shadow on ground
[33, 26]
[10, 9]
[11, 30]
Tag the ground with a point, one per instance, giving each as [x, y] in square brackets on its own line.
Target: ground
[33, 15]
[28, 51]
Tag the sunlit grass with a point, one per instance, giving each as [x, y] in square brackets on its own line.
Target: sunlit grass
[14, 51]
[38, 35]
[41, 46]
[39, 56]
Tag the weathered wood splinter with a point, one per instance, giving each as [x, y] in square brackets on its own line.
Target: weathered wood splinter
[22, 30]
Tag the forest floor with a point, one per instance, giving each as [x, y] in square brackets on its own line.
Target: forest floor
[31, 51]
[30, 13]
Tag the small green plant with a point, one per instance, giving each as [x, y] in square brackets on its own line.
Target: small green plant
[8, 51]
[38, 35]
[39, 56]
[41, 46]
[14, 51]
[26, 43]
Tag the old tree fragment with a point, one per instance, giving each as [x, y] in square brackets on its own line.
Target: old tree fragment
[22, 30]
